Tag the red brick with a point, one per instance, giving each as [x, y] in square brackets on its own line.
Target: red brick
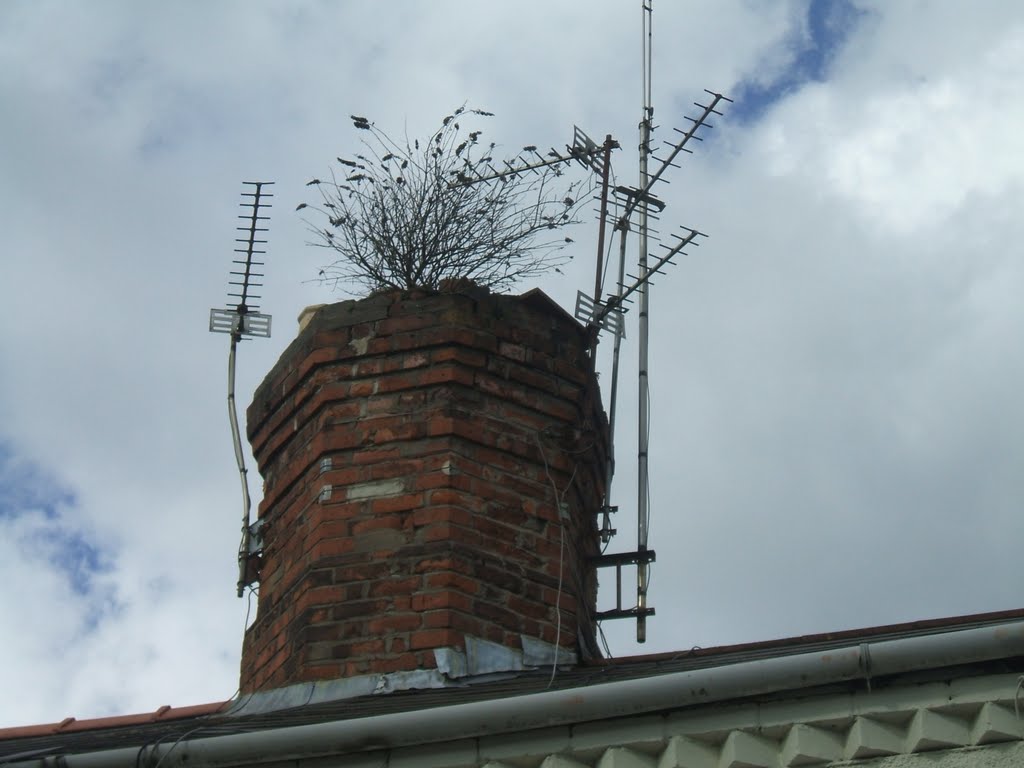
[530, 609]
[437, 619]
[433, 638]
[363, 388]
[460, 355]
[440, 425]
[445, 374]
[430, 601]
[329, 529]
[398, 622]
[331, 548]
[396, 325]
[402, 663]
[410, 430]
[336, 412]
[404, 586]
[366, 368]
[446, 579]
[401, 603]
[379, 346]
[514, 351]
[454, 497]
[375, 455]
[396, 468]
[415, 360]
[401, 503]
[382, 404]
[399, 381]
[342, 476]
[441, 513]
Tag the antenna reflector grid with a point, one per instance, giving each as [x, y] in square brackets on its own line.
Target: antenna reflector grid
[591, 312]
[232, 321]
[586, 150]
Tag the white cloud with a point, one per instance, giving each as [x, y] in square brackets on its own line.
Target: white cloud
[910, 150]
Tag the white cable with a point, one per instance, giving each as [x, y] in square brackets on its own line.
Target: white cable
[562, 519]
[604, 641]
[558, 601]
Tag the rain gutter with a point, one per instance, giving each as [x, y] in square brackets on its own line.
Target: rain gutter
[516, 714]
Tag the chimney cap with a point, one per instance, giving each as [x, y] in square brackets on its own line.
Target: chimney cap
[307, 314]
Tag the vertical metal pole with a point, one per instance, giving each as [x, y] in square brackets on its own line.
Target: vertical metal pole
[606, 526]
[243, 547]
[598, 287]
[643, 437]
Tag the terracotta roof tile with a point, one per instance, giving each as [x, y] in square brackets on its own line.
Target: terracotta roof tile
[71, 725]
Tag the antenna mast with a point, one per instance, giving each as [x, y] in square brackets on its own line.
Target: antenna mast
[240, 321]
[643, 437]
[607, 314]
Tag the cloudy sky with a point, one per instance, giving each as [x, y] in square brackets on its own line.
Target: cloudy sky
[838, 438]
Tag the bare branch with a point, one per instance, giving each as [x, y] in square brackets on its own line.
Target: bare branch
[400, 216]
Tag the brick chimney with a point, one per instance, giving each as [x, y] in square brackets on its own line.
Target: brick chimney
[433, 466]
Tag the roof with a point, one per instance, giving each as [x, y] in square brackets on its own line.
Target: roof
[170, 725]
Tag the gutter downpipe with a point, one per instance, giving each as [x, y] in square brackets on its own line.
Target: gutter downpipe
[575, 705]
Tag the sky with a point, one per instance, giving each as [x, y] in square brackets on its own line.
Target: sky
[836, 372]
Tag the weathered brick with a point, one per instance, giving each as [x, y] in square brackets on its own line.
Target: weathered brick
[401, 503]
[398, 586]
[441, 520]
[363, 388]
[467, 357]
[397, 622]
[324, 548]
[434, 638]
[448, 579]
[429, 601]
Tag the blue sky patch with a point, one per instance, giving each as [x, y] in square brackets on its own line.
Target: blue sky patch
[25, 486]
[70, 553]
[813, 45]
[29, 493]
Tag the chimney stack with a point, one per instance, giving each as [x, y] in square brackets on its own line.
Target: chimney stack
[433, 470]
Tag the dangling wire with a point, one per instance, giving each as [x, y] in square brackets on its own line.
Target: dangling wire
[559, 501]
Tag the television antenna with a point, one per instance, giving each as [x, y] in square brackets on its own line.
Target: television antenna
[607, 314]
[583, 150]
[242, 321]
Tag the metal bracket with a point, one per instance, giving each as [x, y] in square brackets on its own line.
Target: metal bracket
[638, 558]
[249, 562]
[256, 538]
[606, 522]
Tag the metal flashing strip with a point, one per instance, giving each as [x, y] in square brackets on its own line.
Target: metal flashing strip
[481, 662]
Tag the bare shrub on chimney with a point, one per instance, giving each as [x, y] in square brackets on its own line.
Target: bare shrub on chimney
[402, 215]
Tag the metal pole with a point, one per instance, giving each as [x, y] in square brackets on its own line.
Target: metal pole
[598, 287]
[643, 436]
[243, 547]
[606, 527]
